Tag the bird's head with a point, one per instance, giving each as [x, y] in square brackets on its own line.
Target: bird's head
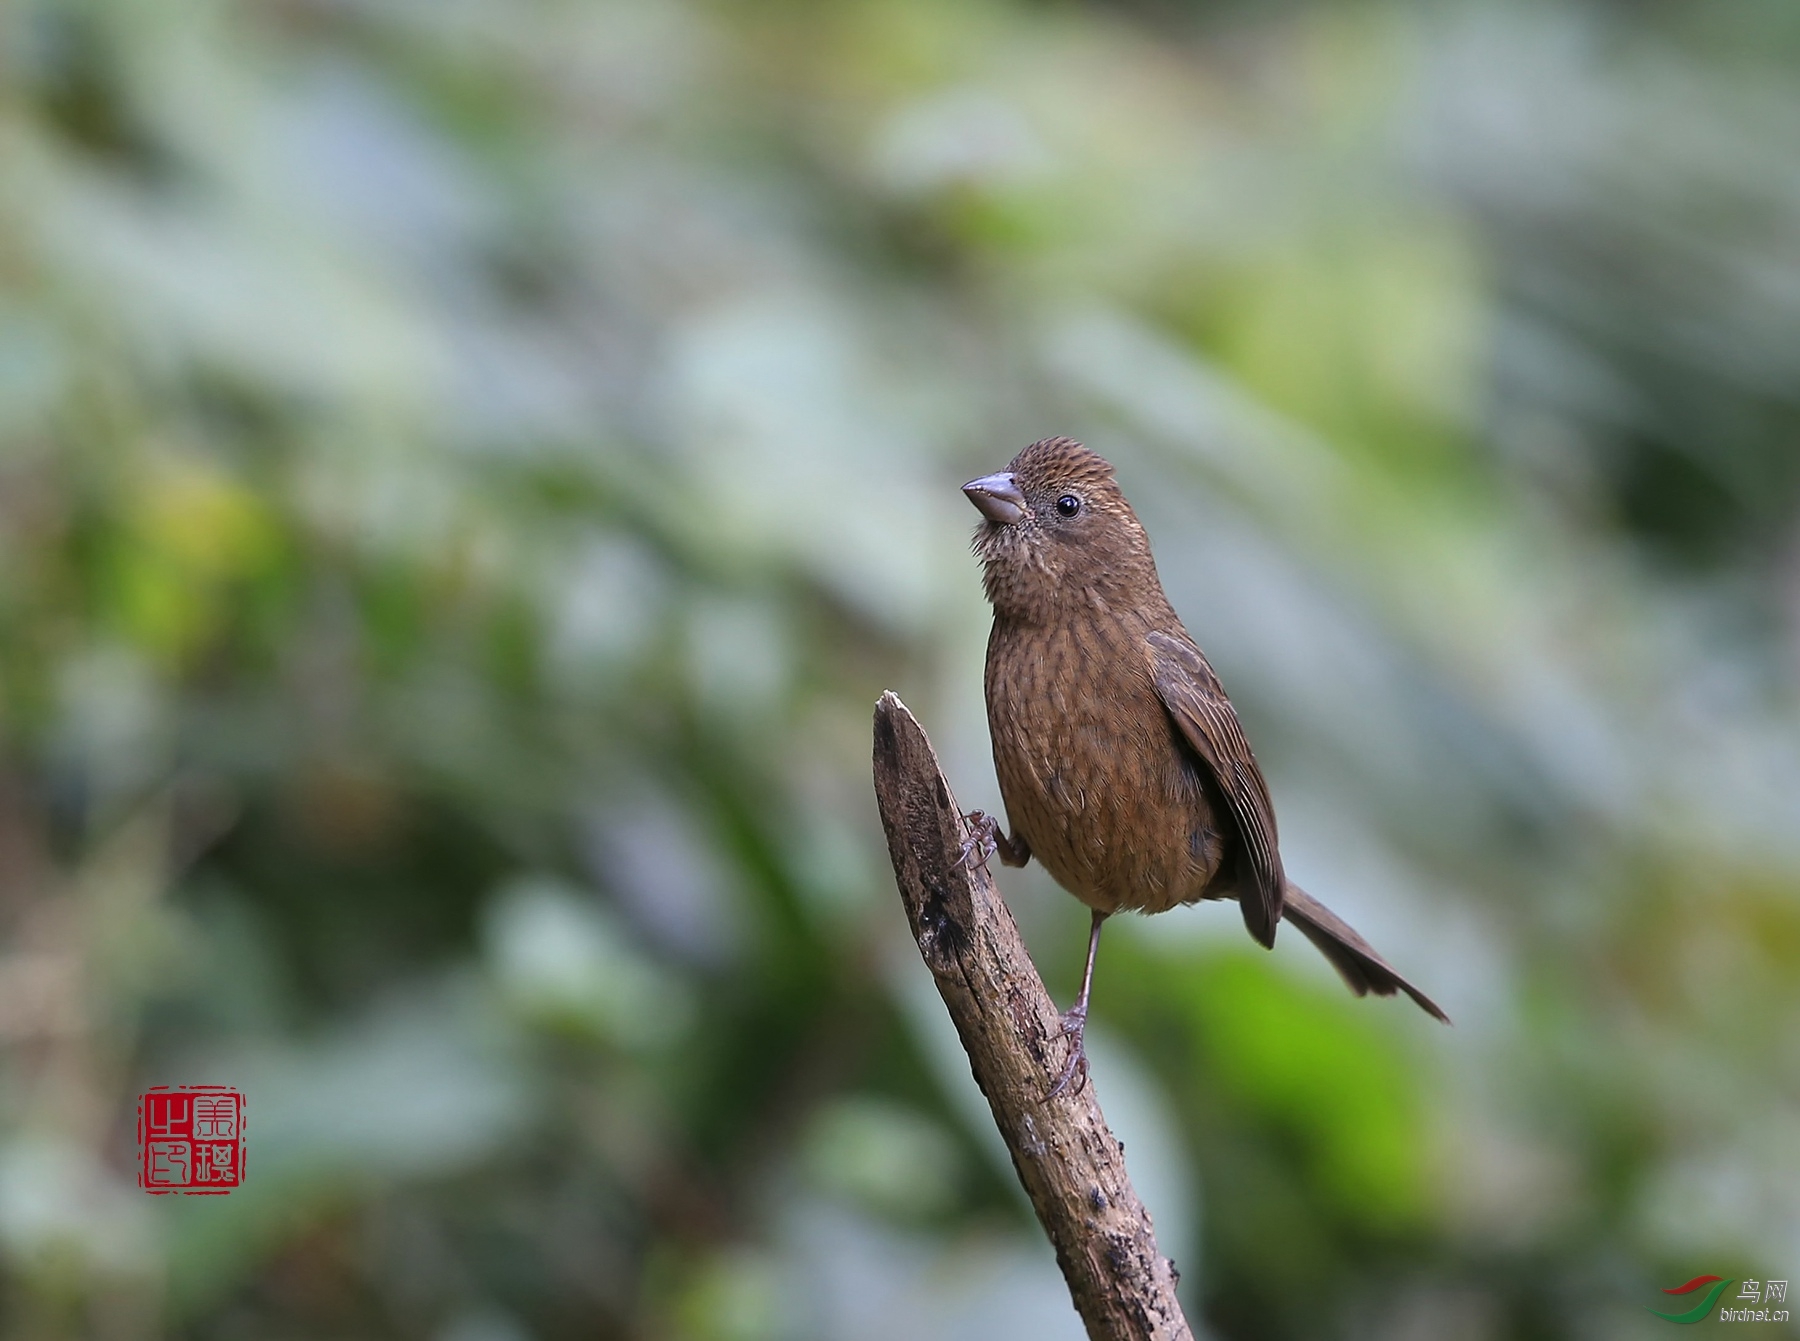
[1056, 527]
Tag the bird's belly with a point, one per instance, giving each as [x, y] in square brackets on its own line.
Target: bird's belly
[1097, 784]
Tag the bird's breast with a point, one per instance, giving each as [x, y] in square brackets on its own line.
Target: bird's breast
[1090, 767]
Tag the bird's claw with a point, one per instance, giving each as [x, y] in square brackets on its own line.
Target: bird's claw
[983, 841]
[1075, 1068]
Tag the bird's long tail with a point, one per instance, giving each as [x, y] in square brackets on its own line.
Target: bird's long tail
[1348, 952]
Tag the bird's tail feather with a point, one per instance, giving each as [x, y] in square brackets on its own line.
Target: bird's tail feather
[1349, 953]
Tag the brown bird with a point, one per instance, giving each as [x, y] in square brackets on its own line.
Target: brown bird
[1122, 764]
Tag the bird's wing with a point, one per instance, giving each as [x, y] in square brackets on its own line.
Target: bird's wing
[1208, 722]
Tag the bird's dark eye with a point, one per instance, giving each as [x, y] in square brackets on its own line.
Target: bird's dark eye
[1068, 505]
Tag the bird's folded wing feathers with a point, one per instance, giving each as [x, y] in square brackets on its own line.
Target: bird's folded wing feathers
[1197, 703]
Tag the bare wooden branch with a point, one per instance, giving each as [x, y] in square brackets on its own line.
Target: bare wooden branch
[1071, 1165]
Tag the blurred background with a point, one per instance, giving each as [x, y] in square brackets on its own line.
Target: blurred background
[468, 468]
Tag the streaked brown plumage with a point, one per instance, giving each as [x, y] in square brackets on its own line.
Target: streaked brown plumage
[1122, 764]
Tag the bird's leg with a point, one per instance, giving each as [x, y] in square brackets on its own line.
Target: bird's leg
[985, 839]
[1074, 1022]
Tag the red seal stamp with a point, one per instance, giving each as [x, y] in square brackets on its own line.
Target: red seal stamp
[190, 1139]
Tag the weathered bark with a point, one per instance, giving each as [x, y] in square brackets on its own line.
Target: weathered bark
[1071, 1165]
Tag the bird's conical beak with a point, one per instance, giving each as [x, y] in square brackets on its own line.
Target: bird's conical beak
[998, 497]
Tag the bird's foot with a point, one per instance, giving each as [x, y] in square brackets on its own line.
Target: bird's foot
[1075, 1068]
[983, 841]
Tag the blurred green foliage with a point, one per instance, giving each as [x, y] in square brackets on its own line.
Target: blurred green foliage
[467, 470]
